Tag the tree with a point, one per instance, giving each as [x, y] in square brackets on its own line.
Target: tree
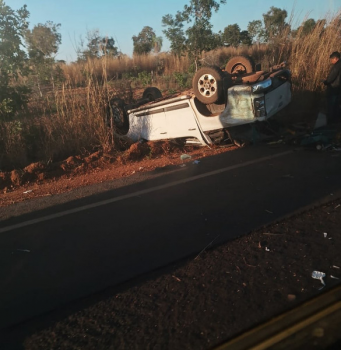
[274, 22]
[44, 38]
[231, 35]
[99, 46]
[157, 44]
[256, 31]
[245, 38]
[308, 26]
[201, 9]
[174, 32]
[305, 28]
[217, 39]
[197, 37]
[42, 43]
[146, 41]
[13, 59]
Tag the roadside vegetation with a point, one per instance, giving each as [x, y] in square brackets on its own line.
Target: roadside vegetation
[50, 110]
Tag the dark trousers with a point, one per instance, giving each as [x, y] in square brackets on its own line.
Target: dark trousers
[333, 108]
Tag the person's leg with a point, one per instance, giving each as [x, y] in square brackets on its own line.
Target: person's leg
[332, 108]
[329, 109]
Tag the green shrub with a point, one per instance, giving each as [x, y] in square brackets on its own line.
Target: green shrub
[145, 78]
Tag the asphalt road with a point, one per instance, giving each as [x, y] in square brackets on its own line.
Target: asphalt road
[52, 256]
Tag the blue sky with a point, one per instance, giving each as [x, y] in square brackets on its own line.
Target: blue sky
[122, 19]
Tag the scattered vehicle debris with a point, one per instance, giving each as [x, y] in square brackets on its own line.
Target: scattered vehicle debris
[222, 100]
[291, 297]
[318, 275]
[185, 156]
[320, 137]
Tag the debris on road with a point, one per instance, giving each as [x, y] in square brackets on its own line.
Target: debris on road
[325, 234]
[335, 278]
[196, 162]
[185, 156]
[320, 136]
[291, 297]
[24, 250]
[318, 275]
[176, 278]
[267, 249]
[28, 191]
[275, 142]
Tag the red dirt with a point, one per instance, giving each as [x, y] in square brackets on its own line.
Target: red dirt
[39, 179]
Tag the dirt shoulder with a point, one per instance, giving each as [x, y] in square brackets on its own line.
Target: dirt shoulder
[43, 180]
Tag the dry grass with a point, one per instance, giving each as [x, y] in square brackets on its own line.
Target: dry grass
[124, 67]
[309, 55]
[65, 122]
[71, 120]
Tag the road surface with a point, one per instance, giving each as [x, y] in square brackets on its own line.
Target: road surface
[64, 252]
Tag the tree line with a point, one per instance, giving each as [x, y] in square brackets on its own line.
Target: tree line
[31, 53]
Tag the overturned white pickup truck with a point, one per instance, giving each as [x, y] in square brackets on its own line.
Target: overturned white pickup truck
[222, 100]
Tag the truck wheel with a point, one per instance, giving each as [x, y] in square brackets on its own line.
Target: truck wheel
[240, 64]
[152, 93]
[117, 115]
[208, 84]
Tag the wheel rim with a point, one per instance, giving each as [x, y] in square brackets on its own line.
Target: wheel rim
[207, 85]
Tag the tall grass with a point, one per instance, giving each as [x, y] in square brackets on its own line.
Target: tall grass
[125, 67]
[309, 54]
[70, 118]
[64, 122]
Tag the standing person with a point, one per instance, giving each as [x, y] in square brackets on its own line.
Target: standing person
[333, 83]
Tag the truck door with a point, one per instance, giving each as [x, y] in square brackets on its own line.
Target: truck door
[181, 121]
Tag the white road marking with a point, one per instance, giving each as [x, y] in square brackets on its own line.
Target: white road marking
[138, 193]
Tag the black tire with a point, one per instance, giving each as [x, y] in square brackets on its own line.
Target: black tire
[208, 84]
[117, 115]
[152, 93]
[240, 64]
